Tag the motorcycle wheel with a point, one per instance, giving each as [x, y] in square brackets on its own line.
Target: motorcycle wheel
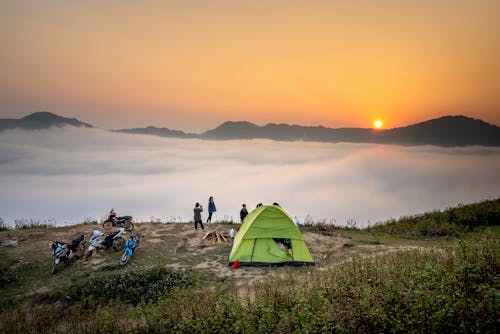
[107, 225]
[88, 255]
[80, 250]
[124, 258]
[118, 243]
[129, 226]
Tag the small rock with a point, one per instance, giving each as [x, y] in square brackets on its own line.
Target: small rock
[10, 243]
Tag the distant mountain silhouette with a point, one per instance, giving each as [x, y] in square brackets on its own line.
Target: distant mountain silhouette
[234, 130]
[40, 120]
[444, 131]
[285, 132]
[163, 132]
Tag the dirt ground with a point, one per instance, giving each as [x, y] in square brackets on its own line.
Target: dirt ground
[177, 246]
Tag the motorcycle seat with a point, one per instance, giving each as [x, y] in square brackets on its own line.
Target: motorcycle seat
[111, 235]
[56, 244]
[76, 242]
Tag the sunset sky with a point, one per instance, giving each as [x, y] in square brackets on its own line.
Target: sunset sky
[190, 65]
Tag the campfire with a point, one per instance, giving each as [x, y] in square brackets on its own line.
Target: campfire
[214, 237]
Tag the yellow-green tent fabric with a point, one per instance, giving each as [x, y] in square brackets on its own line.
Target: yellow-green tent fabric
[268, 236]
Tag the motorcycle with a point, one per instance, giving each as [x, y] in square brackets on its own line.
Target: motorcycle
[102, 241]
[130, 247]
[64, 252]
[113, 220]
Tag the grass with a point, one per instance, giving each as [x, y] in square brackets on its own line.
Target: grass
[452, 222]
[447, 290]
[369, 280]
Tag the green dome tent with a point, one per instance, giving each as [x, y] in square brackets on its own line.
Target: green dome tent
[268, 236]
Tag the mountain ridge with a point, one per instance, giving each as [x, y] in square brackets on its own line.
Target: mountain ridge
[40, 120]
[447, 131]
[443, 131]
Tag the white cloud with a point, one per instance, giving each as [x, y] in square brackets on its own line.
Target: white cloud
[69, 174]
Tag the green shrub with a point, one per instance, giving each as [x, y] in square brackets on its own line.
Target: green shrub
[128, 286]
[452, 222]
[9, 273]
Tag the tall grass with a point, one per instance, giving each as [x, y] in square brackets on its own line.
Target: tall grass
[126, 286]
[452, 222]
[453, 289]
[3, 225]
[20, 224]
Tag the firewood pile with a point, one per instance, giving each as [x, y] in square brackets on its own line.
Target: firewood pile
[214, 237]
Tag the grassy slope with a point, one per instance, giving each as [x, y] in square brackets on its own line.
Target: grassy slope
[175, 246]
[178, 248]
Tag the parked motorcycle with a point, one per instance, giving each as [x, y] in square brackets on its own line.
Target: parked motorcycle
[102, 241]
[64, 252]
[113, 220]
[130, 247]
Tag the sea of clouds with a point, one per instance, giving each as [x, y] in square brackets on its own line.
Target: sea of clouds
[68, 175]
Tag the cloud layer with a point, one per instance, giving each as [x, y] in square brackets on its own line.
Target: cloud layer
[70, 174]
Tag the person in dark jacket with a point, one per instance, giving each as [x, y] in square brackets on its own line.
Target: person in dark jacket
[211, 209]
[243, 212]
[198, 209]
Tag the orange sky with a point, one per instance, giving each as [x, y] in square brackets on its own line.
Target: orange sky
[191, 65]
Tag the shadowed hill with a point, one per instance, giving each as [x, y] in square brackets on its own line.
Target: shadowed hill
[444, 131]
[234, 130]
[162, 132]
[41, 120]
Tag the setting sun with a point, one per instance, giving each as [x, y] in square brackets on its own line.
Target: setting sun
[378, 124]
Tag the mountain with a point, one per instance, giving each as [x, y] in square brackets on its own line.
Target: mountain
[234, 130]
[40, 120]
[443, 131]
[285, 132]
[163, 132]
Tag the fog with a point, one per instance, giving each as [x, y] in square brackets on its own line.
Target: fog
[69, 175]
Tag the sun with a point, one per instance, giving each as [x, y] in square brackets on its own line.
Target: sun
[378, 124]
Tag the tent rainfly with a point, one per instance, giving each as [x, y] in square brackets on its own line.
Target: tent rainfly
[268, 236]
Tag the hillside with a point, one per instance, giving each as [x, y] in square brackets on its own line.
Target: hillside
[40, 120]
[162, 132]
[364, 280]
[445, 131]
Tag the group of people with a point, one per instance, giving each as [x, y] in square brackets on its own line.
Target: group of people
[198, 209]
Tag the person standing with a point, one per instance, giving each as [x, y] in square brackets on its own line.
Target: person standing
[243, 212]
[198, 209]
[211, 209]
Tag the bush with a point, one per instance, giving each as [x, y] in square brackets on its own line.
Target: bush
[452, 222]
[128, 286]
[9, 273]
